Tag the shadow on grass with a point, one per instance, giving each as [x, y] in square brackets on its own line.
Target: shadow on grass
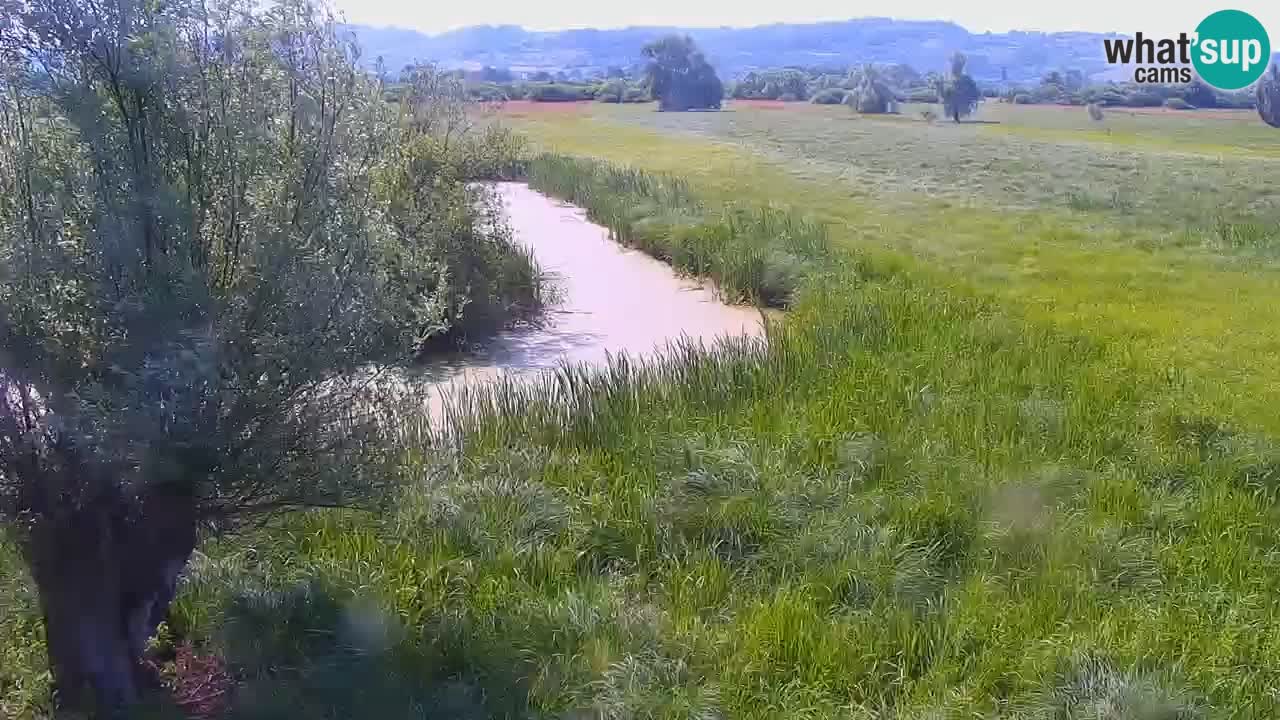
[303, 652]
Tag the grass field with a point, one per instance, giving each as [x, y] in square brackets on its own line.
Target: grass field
[1009, 454]
[1168, 253]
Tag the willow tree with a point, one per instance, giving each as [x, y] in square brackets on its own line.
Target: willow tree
[872, 96]
[201, 275]
[958, 91]
[1268, 91]
[679, 76]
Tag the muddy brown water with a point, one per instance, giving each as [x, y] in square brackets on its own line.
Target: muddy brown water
[610, 300]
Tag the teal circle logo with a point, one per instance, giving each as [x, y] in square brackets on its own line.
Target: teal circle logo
[1232, 49]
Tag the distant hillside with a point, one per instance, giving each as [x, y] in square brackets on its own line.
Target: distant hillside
[926, 45]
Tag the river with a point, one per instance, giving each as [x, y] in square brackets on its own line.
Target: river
[610, 300]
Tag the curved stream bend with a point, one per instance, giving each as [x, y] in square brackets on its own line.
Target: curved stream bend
[611, 300]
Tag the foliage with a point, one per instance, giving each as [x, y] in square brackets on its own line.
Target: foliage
[210, 253]
[679, 77]
[807, 83]
[1199, 94]
[830, 96]
[559, 92]
[922, 95]
[619, 91]
[873, 96]
[1268, 96]
[1055, 90]
[958, 92]
[1177, 103]
[772, 85]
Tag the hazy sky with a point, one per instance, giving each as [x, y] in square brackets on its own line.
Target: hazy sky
[977, 15]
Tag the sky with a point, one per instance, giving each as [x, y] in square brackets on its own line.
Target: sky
[1162, 18]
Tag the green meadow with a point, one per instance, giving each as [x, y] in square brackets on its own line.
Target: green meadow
[1153, 232]
[1009, 451]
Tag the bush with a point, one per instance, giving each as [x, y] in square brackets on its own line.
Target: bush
[830, 96]
[1023, 99]
[874, 98]
[1145, 98]
[922, 95]
[554, 92]
[1111, 97]
[635, 95]
[1177, 103]
[488, 92]
[788, 97]
[610, 92]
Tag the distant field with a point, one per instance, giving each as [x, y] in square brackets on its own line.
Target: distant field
[1157, 230]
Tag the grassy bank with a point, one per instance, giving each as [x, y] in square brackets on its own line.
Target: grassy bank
[907, 504]
[754, 254]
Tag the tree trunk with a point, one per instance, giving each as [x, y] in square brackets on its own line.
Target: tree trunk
[106, 579]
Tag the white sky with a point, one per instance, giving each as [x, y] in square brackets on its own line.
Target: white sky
[1126, 16]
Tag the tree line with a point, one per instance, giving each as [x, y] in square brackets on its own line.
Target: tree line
[869, 88]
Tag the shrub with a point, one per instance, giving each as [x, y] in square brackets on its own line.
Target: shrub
[1268, 96]
[1145, 98]
[554, 92]
[830, 96]
[922, 95]
[1177, 103]
[611, 92]
[488, 92]
[788, 97]
[1023, 99]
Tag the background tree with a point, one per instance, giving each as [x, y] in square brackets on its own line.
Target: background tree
[1268, 94]
[215, 235]
[679, 77]
[958, 92]
[1199, 94]
[873, 95]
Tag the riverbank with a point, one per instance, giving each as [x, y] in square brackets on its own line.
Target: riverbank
[605, 300]
[908, 501]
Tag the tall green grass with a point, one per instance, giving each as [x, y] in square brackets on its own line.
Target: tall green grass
[906, 503]
[754, 254]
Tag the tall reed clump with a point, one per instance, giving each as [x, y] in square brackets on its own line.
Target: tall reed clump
[755, 254]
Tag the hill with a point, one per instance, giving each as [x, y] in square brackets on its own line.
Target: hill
[1019, 56]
